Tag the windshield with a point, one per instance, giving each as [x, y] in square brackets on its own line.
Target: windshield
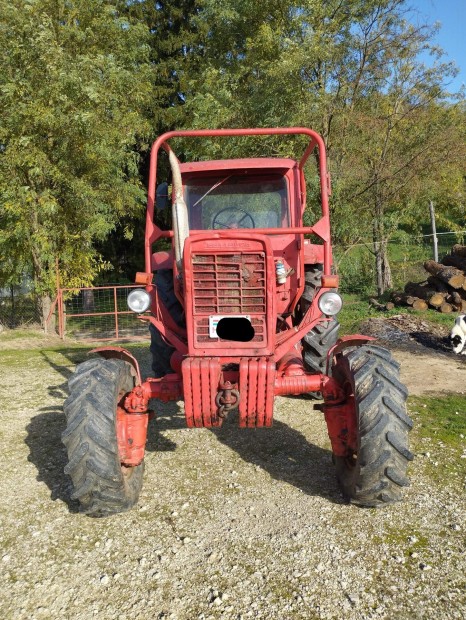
[237, 201]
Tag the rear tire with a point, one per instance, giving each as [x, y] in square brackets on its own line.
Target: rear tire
[160, 349]
[319, 340]
[374, 472]
[317, 343]
[101, 483]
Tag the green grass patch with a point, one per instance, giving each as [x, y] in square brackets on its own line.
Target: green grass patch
[442, 418]
[439, 437]
[10, 335]
[357, 309]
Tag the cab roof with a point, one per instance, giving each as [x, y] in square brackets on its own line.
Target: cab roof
[263, 163]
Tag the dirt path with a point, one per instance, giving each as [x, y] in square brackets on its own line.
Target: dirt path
[432, 374]
[230, 524]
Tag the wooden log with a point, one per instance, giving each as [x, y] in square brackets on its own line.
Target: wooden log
[459, 250]
[419, 304]
[452, 260]
[455, 298]
[402, 299]
[428, 293]
[446, 308]
[438, 284]
[383, 307]
[450, 275]
[456, 301]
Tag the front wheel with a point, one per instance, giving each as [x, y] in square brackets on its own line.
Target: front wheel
[101, 483]
[373, 472]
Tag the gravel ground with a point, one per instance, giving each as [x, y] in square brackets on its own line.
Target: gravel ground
[231, 524]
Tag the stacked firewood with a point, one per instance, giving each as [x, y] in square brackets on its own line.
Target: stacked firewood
[445, 288]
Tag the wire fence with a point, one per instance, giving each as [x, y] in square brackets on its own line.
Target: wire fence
[18, 309]
[101, 313]
[356, 264]
[98, 313]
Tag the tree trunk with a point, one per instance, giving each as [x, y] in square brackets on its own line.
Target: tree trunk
[382, 265]
[88, 301]
[45, 306]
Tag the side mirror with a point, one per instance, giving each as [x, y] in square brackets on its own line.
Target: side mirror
[161, 196]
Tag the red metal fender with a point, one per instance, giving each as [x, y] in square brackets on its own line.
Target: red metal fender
[131, 424]
[120, 354]
[355, 340]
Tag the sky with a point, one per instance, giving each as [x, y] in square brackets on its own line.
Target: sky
[452, 35]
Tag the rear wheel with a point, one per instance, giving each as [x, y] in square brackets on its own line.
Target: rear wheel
[317, 343]
[160, 349]
[319, 340]
[373, 472]
[101, 483]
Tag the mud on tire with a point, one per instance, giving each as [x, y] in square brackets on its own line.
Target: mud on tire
[101, 484]
[375, 474]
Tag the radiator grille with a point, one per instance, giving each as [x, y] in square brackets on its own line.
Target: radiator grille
[229, 283]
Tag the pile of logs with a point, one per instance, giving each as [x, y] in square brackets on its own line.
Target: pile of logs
[445, 288]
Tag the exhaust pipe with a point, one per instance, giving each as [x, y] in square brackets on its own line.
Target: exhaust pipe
[179, 210]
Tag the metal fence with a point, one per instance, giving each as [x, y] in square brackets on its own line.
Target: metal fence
[101, 313]
[98, 313]
[18, 309]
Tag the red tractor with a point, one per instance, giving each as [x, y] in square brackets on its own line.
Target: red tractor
[243, 309]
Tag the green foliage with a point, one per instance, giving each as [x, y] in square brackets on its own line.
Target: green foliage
[75, 80]
[85, 84]
[351, 71]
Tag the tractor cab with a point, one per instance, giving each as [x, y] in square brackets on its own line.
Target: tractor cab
[240, 196]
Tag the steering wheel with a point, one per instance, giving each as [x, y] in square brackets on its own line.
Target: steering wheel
[233, 217]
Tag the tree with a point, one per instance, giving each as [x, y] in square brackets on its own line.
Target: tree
[350, 70]
[76, 79]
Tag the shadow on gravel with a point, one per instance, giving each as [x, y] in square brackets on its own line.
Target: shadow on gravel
[281, 451]
[47, 453]
[285, 454]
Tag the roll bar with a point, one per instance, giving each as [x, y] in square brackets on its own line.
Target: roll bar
[321, 228]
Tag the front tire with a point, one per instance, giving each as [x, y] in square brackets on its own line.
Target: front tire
[101, 483]
[373, 472]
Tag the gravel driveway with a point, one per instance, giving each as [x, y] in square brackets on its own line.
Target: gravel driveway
[231, 524]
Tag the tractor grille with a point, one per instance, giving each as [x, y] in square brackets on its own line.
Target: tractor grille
[229, 284]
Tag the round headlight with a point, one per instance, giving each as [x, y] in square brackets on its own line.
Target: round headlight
[138, 300]
[330, 303]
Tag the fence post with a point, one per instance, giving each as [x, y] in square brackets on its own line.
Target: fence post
[434, 230]
[115, 303]
[61, 330]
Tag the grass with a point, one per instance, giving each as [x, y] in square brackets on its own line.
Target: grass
[10, 335]
[356, 309]
[441, 417]
[439, 437]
